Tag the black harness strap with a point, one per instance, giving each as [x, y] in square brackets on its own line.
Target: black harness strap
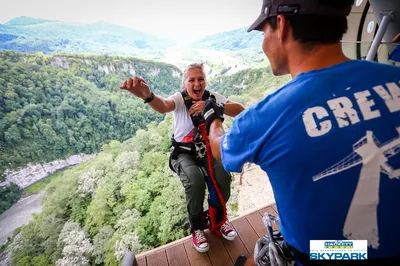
[197, 120]
[180, 147]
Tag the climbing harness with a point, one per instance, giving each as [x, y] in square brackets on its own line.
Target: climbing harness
[271, 249]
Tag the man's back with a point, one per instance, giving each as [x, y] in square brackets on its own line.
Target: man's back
[330, 143]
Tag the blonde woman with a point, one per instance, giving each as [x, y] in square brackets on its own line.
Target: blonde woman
[188, 158]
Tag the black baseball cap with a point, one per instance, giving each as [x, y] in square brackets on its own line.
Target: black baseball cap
[271, 8]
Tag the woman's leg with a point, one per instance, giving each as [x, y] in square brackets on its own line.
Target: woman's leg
[193, 181]
[224, 180]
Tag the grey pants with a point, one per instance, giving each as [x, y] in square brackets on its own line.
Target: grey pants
[194, 183]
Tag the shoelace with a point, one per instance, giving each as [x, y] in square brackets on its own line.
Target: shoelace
[200, 237]
[226, 227]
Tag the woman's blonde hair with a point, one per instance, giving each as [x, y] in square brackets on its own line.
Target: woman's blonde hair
[192, 66]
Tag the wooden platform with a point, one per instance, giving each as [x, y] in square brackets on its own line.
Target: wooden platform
[222, 252]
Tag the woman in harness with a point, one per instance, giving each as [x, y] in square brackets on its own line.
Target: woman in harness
[188, 158]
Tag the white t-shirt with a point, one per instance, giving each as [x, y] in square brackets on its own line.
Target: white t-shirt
[183, 125]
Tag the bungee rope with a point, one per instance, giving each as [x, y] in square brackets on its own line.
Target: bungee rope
[214, 226]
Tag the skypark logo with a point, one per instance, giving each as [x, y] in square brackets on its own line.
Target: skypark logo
[338, 250]
[338, 256]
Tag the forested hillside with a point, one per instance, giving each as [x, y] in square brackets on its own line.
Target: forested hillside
[8, 195]
[25, 34]
[55, 106]
[248, 86]
[125, 199]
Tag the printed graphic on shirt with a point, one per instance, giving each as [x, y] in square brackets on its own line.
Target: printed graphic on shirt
[368, 151]
[189, 137]
[373, 156]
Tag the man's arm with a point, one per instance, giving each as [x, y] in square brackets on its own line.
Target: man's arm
[233, 108]
[215, 135]
[234, 151]
[216, 129]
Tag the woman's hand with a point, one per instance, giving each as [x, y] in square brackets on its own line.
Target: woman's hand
[196, 108]
[137, 86]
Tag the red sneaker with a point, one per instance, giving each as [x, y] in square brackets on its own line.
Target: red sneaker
[200, 241]
[227, 231]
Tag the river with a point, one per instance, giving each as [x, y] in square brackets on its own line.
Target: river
[19, 214]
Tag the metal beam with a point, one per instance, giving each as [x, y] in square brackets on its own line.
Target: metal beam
[379, 36]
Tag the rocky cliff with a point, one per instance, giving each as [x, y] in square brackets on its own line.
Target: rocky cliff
[31, 173]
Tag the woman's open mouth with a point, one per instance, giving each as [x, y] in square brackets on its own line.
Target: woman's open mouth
[197, 92]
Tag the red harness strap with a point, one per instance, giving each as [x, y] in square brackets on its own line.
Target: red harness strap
[214, 226]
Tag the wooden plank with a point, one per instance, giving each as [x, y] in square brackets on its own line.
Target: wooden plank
[222, 252]
[195, 257]
[275, 208]
[255, 220]
[218, 254]
[141, 261]
[235, 248]
[246, 233]
[268, 209]
[158, 258]
[176, 255]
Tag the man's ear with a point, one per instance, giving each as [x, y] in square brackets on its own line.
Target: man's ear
[282, 25]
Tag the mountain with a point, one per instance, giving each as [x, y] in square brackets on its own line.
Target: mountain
[223, 53]
[233, 40]
[22, 21]
[25, 34]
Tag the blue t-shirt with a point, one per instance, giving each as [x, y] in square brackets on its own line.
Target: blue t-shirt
[329, 142]
[395, 55]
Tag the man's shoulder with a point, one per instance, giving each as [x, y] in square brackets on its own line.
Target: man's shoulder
[362, 66]
[368, 72]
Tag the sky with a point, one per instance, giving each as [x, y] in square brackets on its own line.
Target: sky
[183, 20]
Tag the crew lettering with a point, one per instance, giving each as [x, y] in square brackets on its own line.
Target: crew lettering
[311, 124]
[343, 110]
[391, 98]
[318, 122]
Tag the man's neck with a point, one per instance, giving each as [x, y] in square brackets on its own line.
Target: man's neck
[320, 57]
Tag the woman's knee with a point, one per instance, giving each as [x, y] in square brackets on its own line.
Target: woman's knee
[196, 182]
[191, 177]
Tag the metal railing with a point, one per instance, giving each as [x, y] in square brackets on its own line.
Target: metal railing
[382, 55]
[129, 260]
